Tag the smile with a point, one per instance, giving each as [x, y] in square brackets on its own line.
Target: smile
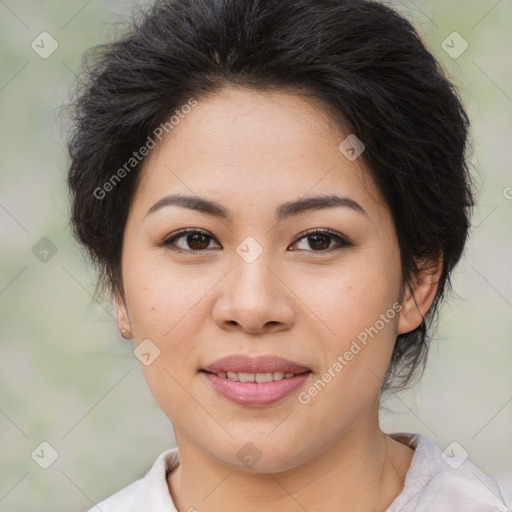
[256, 394]
[255, 377]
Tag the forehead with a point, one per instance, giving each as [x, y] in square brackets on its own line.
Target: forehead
[257, 147]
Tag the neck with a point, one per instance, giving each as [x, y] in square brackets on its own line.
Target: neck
[361, 472]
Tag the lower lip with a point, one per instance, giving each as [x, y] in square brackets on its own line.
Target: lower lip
[255, 394]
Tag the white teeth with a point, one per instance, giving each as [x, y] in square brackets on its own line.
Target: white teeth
[246, 377]
[255, 377]
[263, 377]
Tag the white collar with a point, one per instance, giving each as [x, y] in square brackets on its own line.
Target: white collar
[432, 483]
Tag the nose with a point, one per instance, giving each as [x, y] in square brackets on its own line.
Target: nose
[254, 298]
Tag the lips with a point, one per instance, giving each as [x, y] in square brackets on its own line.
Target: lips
[261, 364]
[258, 381]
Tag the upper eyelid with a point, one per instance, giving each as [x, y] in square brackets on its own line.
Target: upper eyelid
[186, 231]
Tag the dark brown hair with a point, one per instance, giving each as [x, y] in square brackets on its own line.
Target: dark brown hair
[360, 58]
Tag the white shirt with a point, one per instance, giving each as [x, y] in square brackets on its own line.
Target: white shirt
[434, 483]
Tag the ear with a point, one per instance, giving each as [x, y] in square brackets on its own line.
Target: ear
[419, 295]
[123, 319]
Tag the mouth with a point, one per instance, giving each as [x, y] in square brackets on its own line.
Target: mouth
[259, 377]
[254, 382]
[240, 363]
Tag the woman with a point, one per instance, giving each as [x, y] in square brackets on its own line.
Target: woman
[276, 194]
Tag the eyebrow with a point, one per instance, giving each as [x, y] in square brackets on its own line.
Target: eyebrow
[284, 211]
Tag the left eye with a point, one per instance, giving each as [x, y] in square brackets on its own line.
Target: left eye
[194, 240]
[321, 241]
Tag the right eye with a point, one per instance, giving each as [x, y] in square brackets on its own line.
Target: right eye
[189, 240]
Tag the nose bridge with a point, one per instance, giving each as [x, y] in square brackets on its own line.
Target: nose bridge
[253, 296]
[252, 277]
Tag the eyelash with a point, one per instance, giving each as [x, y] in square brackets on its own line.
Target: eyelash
[342, 241]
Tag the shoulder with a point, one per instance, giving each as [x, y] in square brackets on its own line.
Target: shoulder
[438, 481]
[120, 500]
[147, 493]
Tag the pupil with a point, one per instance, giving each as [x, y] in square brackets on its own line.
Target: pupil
[317, 237]
[196, 242]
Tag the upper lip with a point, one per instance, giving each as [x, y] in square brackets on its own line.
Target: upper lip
[260, 364]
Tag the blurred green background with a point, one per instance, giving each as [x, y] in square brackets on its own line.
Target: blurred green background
[66, 376]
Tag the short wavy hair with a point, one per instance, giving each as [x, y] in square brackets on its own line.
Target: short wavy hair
[362, 59]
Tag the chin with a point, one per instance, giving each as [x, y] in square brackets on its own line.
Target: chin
[255, 454]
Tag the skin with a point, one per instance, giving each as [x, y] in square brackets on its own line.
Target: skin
[250, 152]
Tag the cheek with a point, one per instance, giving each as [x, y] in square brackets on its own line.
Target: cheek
[353, 297]
[359, 305]
[167, 310]
[162, 299]
[356, 358]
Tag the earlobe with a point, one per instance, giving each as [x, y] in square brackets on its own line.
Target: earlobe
[123, 320]
[419, 296]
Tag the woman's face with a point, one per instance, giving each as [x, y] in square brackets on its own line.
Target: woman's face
[254, 284]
